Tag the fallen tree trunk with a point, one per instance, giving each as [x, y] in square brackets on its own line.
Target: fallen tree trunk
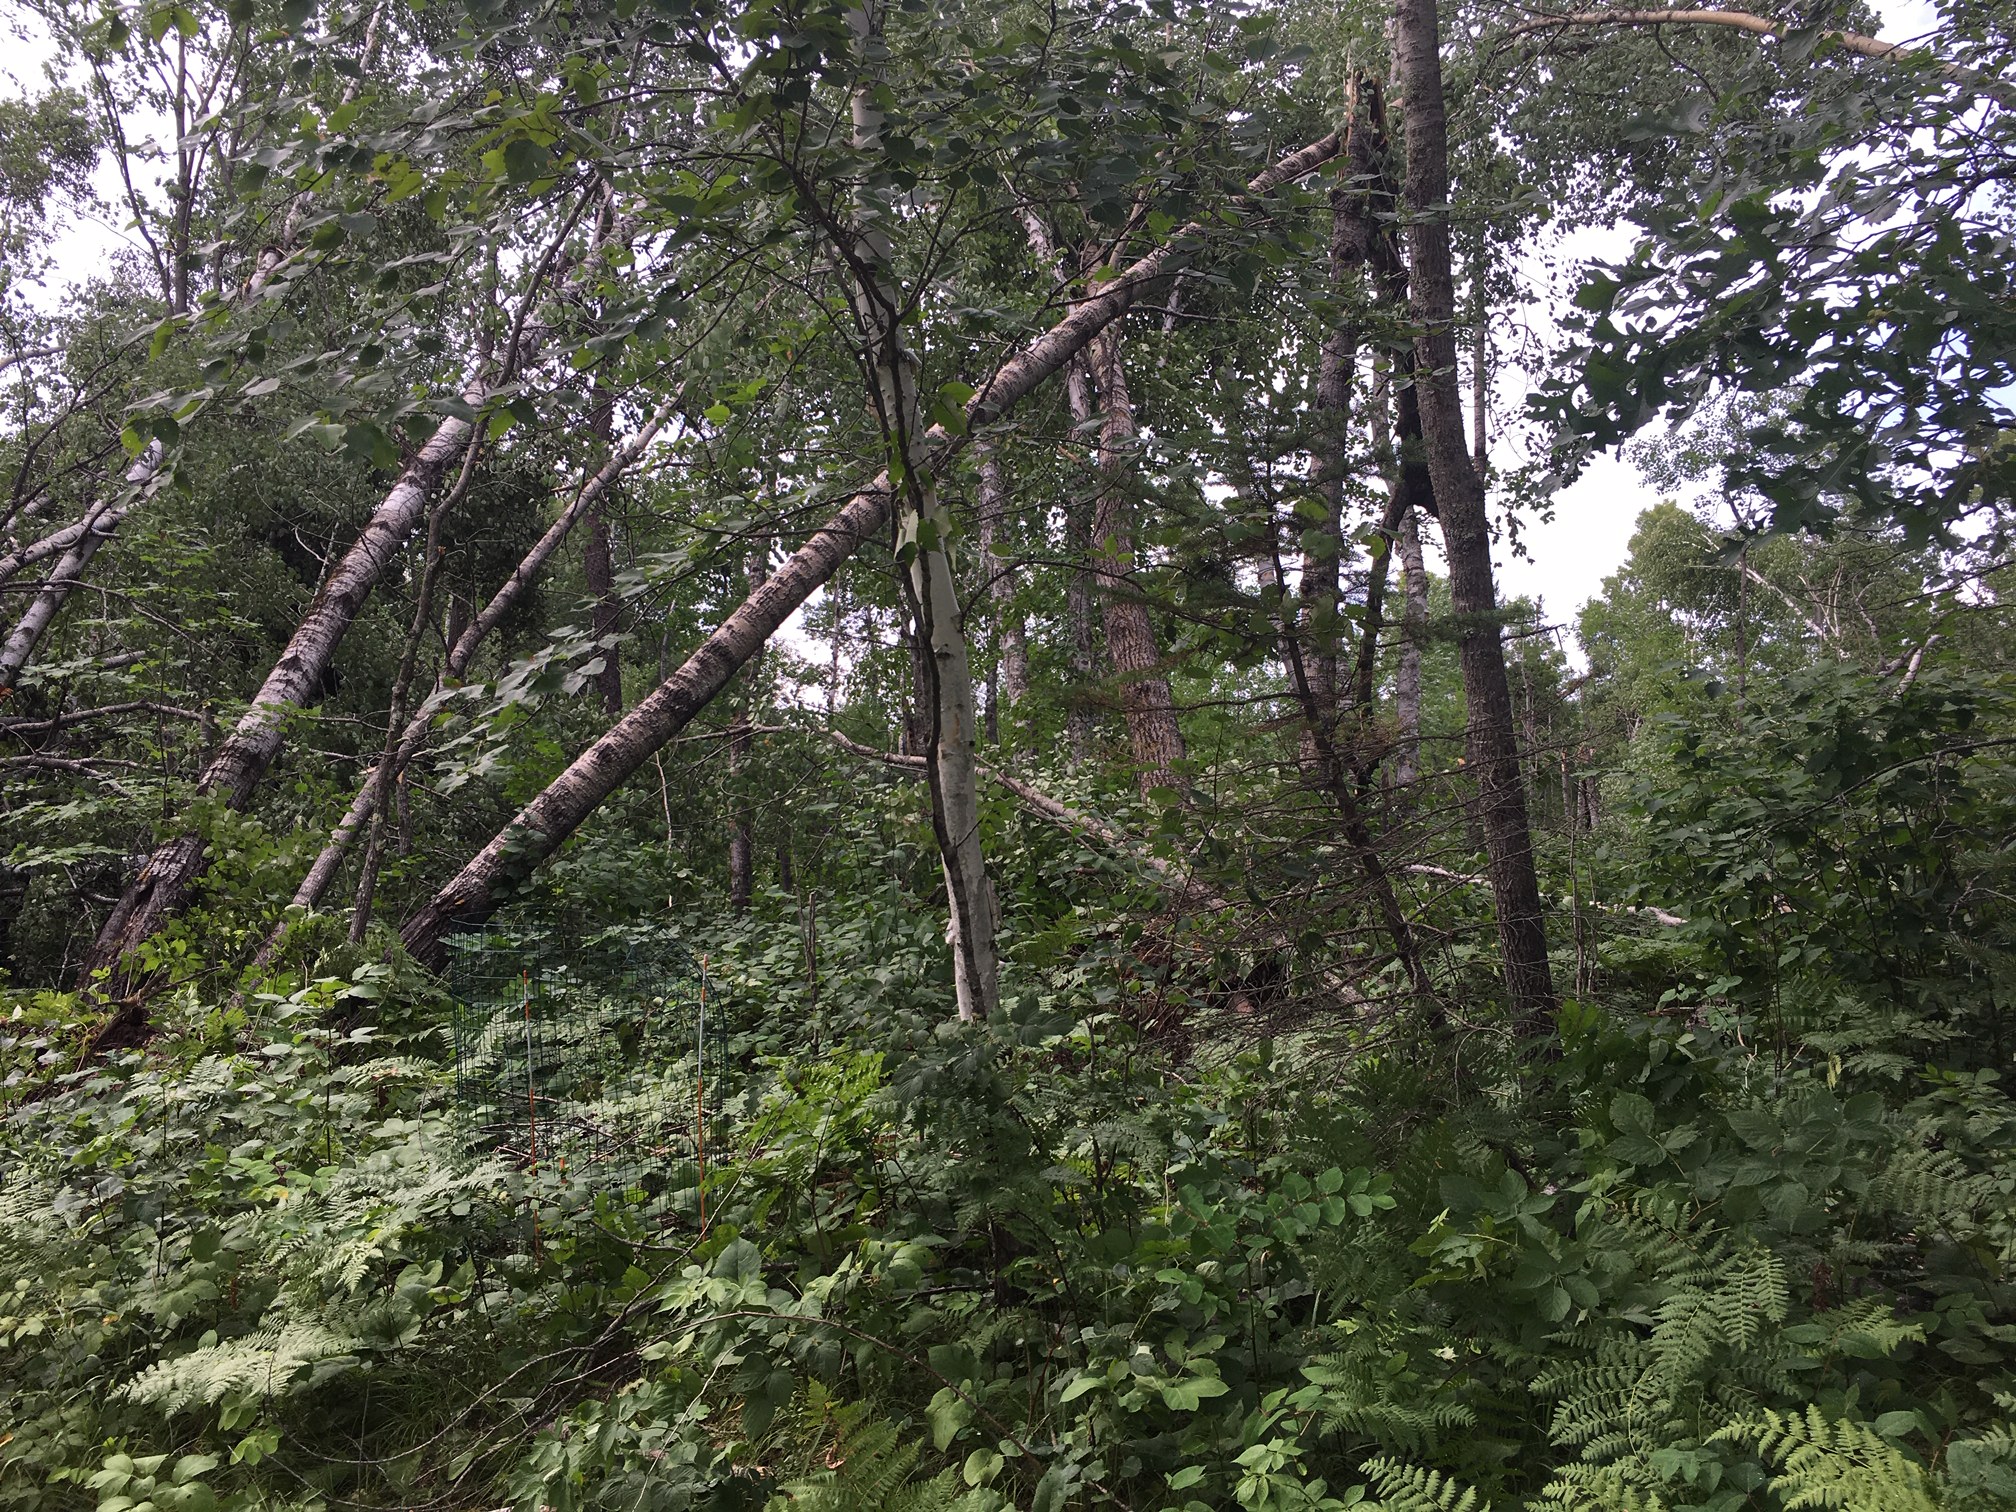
[79, 542]
[543, 825]
[162, 885]
[461, 654]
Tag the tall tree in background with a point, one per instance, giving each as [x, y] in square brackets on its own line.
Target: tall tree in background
[1466, 526]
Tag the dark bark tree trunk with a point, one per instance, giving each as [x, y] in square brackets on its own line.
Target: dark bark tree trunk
[544, 824]
[1466, 531]
[1152, 727]
[1353, 235]
[1406, 768]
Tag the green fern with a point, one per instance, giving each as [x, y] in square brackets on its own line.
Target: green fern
[265, 1363]
[867, 1469]
[1411, 1488]
[1834, 1462]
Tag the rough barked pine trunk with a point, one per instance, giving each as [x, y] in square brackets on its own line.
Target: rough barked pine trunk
[1466, 532]
[924, 532]
[544, 824]
[1153, 732]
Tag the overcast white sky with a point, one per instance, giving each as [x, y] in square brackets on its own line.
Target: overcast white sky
[1566, 558]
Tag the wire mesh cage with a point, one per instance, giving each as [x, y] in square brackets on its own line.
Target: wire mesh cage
[597, 1057]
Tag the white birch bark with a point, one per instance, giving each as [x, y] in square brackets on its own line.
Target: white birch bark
[84, 539]
[236, 768]
[544, 824]
[924, 532]
[463, 652]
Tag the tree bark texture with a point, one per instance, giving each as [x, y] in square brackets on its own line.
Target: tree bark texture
[544, 824]
[466, 637]
[599, 568]
[1080, 726]
[1011, 637]
[1152, 728]
[1353, 235]
[924, 531]
[1466, 534]
[79, 543]
[742, 823]
[162, 885]
[1406, 768]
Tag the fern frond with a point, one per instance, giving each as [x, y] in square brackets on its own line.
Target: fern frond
[1411, 1488]
[1834, 1463]
[265, 1363]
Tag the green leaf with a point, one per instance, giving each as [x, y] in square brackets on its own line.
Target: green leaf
[1631, 1113]
[947, 1413]
[1079, 1386]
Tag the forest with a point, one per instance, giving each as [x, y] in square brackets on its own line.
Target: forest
[778, 755]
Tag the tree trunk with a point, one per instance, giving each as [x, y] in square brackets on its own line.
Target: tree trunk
[924, 532]
[545, 823]
[1080, 725]
[80, 542]
[1407, 680]
[1466, 533]
[466, 637]
[234, 771]
[1012, 678]
[742, 826]
[597, 563]
[1152, 728]
[386, 773]
[1352, 236]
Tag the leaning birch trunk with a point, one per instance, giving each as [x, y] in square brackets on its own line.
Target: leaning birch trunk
[467, 640]
[89, 534]
[163, 884]
[1466, 532]
[59, 541]
[99, 525]
[1152, 728]
[544, 824]
[924, 531]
